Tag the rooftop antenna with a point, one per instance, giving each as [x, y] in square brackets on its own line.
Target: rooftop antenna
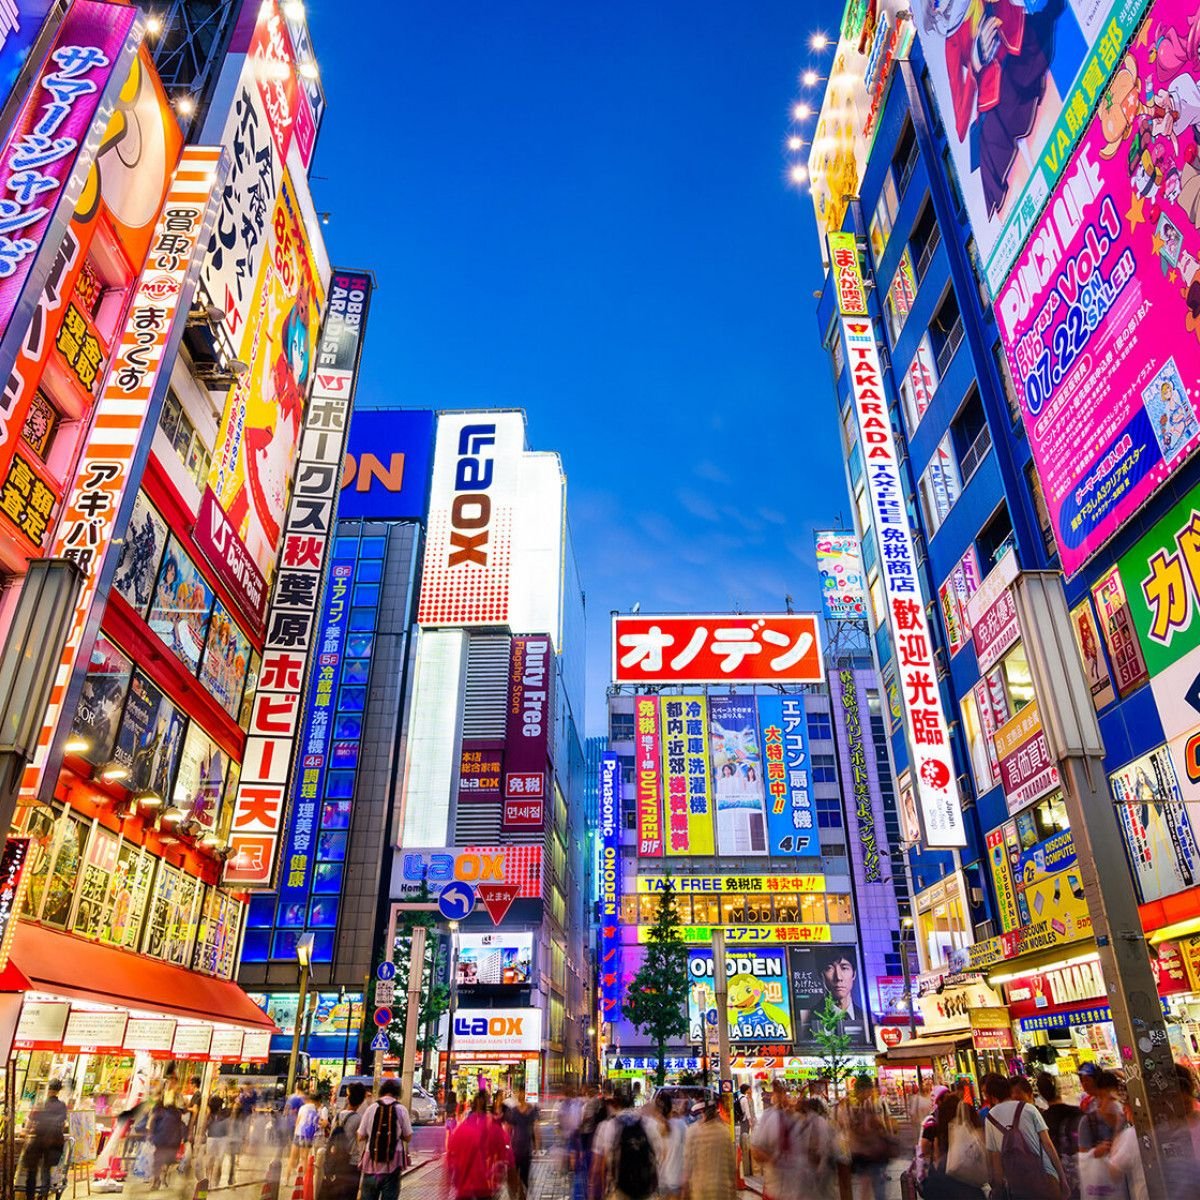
[637, 607]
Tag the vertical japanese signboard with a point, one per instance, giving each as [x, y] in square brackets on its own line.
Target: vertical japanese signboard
[843, 583]
[737, 768]
[527, 732]
[688, 822]
[1027, 771]
[791, 822]
[992, 612]
[14, 857]
[1117, 629]
[291, 619]
[648, 777]
[1097, 315]
[610, 886]
[129, 403]
[856, 774]
[924, 718]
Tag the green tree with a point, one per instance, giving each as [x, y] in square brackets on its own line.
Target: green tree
[833, 1047]
[656, 1000]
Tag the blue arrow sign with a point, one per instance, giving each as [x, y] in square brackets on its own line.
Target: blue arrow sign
[456, 901]
[379, 1042]
[385, 971]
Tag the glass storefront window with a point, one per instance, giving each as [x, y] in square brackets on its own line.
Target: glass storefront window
[647, 910]
[841, 911]
[706, 910]
[629, 910]
[787, 910]
[733, 910]
[812, 910]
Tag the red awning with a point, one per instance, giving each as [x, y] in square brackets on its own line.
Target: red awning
[11, 980]
[81, 970]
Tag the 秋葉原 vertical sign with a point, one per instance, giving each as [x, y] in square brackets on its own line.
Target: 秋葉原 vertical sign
[688, 816]
[648, 777]
[924, 716]
[258, 811]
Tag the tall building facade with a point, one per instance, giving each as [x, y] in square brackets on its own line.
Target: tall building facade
[764, 804]
[987, 435]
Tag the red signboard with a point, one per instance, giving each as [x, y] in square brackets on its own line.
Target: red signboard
[233, 563]
[1048, 992]
[1027, 771]
[717, 648]
[647, 760]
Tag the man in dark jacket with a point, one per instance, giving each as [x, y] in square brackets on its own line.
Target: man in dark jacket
[48, 1127]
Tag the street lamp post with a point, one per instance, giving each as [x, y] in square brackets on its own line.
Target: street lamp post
[907, 935]
[304, 947]
[452, 1009]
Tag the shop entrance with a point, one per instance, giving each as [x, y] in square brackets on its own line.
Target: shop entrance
[471, 1073]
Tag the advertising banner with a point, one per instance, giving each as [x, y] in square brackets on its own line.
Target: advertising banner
[1003, 884]
[648, 779]
[828, 972]
[1087, 639]
[414, 869]
[1044, 991]
[737, 768]
[926, 729]
[1116, 627]
[388, 459]
[1159, 833]
[610, 886]
[129, 401]
[757, 998]
[473, 496]
[258, 808]
[480, 771]
[992, 612]
[495, 959]
[791, 819]
[13, 858]
[749, 935]
[495, 1029]
[1019, 861]
[691, 885]
[953, 597]
[855, 773]
[1027, 771]
[1096, 317]
[717, 648]
[843, 583]
[686, 779]
[1015, 87]
[527, 732]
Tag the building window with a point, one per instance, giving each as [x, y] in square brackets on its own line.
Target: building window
[995, 539]
[829, 814]
[970, 435]
[824, 768]
[940, 485]
[884, 217]
[620, 727]
[626, 761]
[838, 355]
[182, 434]
[820, 726]
[946, 331]
[951, 174]
[1043, 513]
[926, 237]
[1010, 392]
[976, 261]
[904, 161]
[933, 110]
[918, 384]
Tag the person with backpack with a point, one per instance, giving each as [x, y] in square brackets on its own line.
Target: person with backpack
[47, 1130]
[709, 1170]
[382, 1134]
[1022, 1161]
[622, 1156]
[743, 1124]
[775, 1144]
[477, 1157]
[342, 1152]
[592, 1116]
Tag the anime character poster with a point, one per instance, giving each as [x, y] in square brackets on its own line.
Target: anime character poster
[200, 781]
[100, 701]
[737, 769]
[181, 606]
[226, 660]
[757, 998]
[141, 552]
[1100, 315]
[1015, 83]
[260, 428]
[150, 738]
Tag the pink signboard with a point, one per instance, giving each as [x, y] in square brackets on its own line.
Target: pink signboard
[1100, 311]
[527, 731]
[219, 541]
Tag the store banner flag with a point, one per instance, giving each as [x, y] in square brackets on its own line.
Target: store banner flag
[843, 583]
[45, 160]
[856, 770]
[791, 817]
[101, 499]
[689, 824]
[291, 640]
[610, 886]
[648, 777]
[737, 767]
[1098, 315]
[527, 732]
[926, 728]
[1013, 109]
[757, 998]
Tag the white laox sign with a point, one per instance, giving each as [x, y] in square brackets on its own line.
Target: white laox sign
[498, 1029]
[924, 717]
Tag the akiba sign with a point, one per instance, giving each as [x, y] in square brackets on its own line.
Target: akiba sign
[497, 1029]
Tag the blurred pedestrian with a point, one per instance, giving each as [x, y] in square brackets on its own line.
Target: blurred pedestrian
[744, 1118]
[817, 1154]
[668, 1132]
[1062, 1123]
[343, 1153]
[709, 1171]
[775, 1144]
[46, 1126]
[523, 1138]
[1022, 1161]
[869, 1137]
[477, 1154]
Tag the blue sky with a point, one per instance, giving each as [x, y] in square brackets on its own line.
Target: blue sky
[580, 209]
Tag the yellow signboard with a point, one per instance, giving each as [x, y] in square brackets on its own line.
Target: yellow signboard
[749, 935]
[686, 885]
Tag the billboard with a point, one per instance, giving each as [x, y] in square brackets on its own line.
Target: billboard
[717, 648]
[992, 613]
[1027, 772]
[737, 768]
[497, 1029]
[414, 870]
[821, 973]
[291, 636]
[610, 886]
[1015, 85]
[686, 781]
[1097, 316]
[480, 770]
[926, 730]
[388, 459]
[1087, 641]
[791, 819]
[856, 771]
[530, 715]
[494, 959]
[1021, 860]
[647, 774]
[843, 583]
[757, 997]
[1158, 827]
[129, 402]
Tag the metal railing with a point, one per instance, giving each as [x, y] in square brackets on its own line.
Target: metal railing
[976, 454]
[946, 353]
[926, 256]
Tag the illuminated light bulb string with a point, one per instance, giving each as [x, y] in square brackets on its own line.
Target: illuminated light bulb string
[802, 110]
